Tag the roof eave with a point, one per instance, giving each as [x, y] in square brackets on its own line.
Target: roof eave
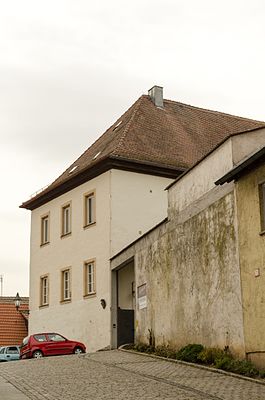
[111, 162]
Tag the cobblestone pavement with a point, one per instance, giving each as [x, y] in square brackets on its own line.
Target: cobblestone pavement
[121, 375]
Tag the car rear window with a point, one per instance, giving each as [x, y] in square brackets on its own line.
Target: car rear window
[40, 338]
[12, 350]
[25, 341]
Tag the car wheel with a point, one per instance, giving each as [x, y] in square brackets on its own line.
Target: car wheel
[37, 354]
[78, 350]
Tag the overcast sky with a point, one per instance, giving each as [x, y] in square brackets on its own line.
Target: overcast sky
[69, 68]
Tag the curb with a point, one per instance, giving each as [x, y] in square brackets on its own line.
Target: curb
[199, 366]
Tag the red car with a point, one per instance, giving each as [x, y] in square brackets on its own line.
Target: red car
[49, 344]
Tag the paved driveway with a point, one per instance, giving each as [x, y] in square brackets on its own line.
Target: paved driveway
[122, 376]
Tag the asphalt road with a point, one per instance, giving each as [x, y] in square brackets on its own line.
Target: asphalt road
[121, 376]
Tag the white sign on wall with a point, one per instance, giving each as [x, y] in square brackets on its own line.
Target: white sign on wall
[142, 298]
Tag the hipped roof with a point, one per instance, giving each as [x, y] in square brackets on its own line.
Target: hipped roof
[148, 139]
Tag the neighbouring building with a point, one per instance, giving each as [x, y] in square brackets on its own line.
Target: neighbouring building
[109, 197]
[13, 322]
[199, 274]
[249, 176]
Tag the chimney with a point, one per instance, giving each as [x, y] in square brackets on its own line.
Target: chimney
[156, 95]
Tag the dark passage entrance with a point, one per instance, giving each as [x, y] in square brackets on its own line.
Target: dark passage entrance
[125, 332]
[124, 286]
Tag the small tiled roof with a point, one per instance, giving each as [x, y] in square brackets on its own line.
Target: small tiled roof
[175, 137]
[13, 326]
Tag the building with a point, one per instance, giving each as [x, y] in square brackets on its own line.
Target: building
[249, 177]
[14, 323]
[109, 197]
[199, 273]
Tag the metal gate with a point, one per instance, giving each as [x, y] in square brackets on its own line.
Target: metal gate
[125, 327]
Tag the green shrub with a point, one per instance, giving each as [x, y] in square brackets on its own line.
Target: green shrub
[262, 374]
[190, 353]
[165, 351]
[210, 355]
[224, 362]
[195, 353]
[142, 347]
[244, 367]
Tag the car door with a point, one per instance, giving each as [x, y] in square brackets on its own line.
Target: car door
[12, 353]
[57, 344]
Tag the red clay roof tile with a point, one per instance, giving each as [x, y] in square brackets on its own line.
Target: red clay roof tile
[175, 136]
[13, 327]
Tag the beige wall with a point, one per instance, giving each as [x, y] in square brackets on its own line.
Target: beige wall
[252, 258]
[126, 204]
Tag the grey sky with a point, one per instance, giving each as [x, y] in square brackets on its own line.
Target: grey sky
[68, 69]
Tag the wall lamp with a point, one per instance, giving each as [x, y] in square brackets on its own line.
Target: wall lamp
[103, 303]
[17, 301]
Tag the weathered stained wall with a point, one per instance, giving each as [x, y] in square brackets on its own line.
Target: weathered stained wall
[252, 256]
[191, 266]
[193, 281]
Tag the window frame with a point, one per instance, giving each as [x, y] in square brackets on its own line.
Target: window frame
[91, 194]
[66, 206]
[93, 292]
[45, 232]
[44, 278]
[65, 299]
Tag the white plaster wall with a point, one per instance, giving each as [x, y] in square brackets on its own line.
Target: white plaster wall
[200, 179]
[82, 319]
[127, 205]
[139, 202]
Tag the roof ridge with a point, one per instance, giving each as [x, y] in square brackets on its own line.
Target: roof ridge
[212, 111]
[137, 106]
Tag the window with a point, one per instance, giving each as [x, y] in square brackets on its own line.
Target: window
[66, 294]
[66, 220]
[12, 350]
[45, 229]
[54, 337]
[25, 341]
[40, 338]
[262, 205]
[44, 301]
[89, 281]
[90, 214]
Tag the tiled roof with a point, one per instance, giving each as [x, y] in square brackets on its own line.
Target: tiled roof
[13, 326]
[175, 136]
